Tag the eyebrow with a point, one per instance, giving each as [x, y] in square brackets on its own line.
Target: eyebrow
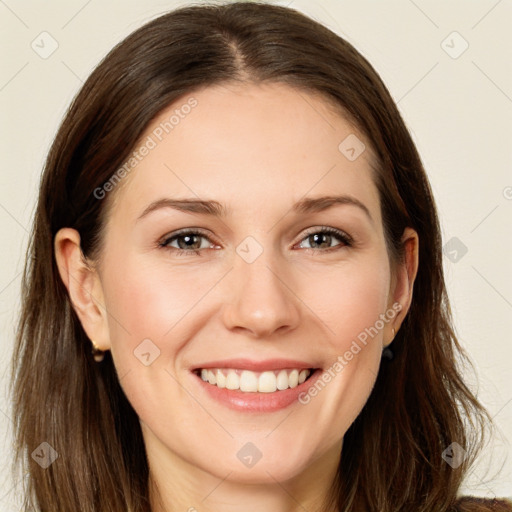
[214, 208]
[319, 204]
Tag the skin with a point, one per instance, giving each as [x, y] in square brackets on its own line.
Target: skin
[257, 149]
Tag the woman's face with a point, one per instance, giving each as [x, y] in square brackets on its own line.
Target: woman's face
[258, 290]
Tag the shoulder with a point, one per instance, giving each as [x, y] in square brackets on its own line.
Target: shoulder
[474, 504]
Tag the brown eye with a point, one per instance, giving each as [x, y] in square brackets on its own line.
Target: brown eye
[189, 241]
[186, 241]
[320, 240]
[325, 238]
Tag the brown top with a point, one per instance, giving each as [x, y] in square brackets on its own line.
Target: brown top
[473, 504]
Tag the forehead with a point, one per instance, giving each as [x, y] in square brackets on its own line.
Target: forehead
[242, 144]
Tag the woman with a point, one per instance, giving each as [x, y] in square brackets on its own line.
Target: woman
[234, 295]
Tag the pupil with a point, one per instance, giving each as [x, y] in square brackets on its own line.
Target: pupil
[317, 239]
[189, 241]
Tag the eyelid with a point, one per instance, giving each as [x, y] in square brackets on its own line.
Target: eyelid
[185, 231]
[344, 237]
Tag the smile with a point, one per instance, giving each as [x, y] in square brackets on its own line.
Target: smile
[248, 381]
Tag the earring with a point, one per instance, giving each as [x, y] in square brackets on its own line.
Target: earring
[387, 353]
[97, 353]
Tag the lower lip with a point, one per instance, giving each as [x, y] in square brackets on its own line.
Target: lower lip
[257, 402]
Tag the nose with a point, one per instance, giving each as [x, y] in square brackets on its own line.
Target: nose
[261, 300]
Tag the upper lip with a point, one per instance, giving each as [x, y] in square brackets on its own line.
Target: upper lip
[255, 366]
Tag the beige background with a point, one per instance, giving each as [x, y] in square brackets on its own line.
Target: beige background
[458, 108]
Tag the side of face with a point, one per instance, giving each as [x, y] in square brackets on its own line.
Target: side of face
[261, 283]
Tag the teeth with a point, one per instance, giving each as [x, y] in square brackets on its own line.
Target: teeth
[232, 381]
[250, 382]
[221, 379]
[211, 378]
[267, 383]
[282, 380]
[293, 379]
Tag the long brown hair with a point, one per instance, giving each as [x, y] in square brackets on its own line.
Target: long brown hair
[392, 454]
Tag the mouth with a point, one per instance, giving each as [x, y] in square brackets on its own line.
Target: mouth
[249, 386]
[248, 381]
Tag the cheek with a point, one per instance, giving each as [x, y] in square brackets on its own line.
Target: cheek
[148, 305]
[149, 300]
[146, 300]
[349, 299]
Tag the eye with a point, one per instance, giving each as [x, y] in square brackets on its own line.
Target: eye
[324, 238]
[190, 241]
[186, 241]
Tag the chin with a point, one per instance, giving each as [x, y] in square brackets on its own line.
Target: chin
[262, 473]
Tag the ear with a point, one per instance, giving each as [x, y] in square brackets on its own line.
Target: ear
[402, 283]
[84, 286]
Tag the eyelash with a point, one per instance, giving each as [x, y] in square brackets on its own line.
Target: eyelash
[346, 240]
